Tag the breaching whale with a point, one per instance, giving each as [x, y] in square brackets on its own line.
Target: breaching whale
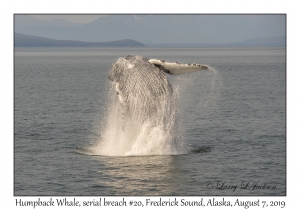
[143, 88]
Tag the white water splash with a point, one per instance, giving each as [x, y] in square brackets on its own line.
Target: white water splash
[148, 125]
[137, 137]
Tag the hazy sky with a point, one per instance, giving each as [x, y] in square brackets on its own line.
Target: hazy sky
[152, 28]
[71, 18]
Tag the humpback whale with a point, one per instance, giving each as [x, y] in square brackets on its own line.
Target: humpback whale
[143, 89]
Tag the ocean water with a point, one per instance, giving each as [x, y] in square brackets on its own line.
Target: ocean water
[231, 120]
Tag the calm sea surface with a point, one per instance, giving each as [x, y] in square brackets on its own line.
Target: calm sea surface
[233, 119]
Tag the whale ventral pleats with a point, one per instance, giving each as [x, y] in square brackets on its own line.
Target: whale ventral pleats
[142, 114]
[142, 87]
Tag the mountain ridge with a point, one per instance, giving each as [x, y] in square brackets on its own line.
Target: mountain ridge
[22, 40]
[157, 28]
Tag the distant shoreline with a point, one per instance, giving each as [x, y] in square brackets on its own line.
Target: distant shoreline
[22, 40]
[147, 47]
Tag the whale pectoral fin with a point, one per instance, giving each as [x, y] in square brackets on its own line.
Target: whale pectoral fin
[177, 68]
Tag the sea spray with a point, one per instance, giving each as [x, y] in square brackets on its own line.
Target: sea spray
[127, 136]
[141, 117]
